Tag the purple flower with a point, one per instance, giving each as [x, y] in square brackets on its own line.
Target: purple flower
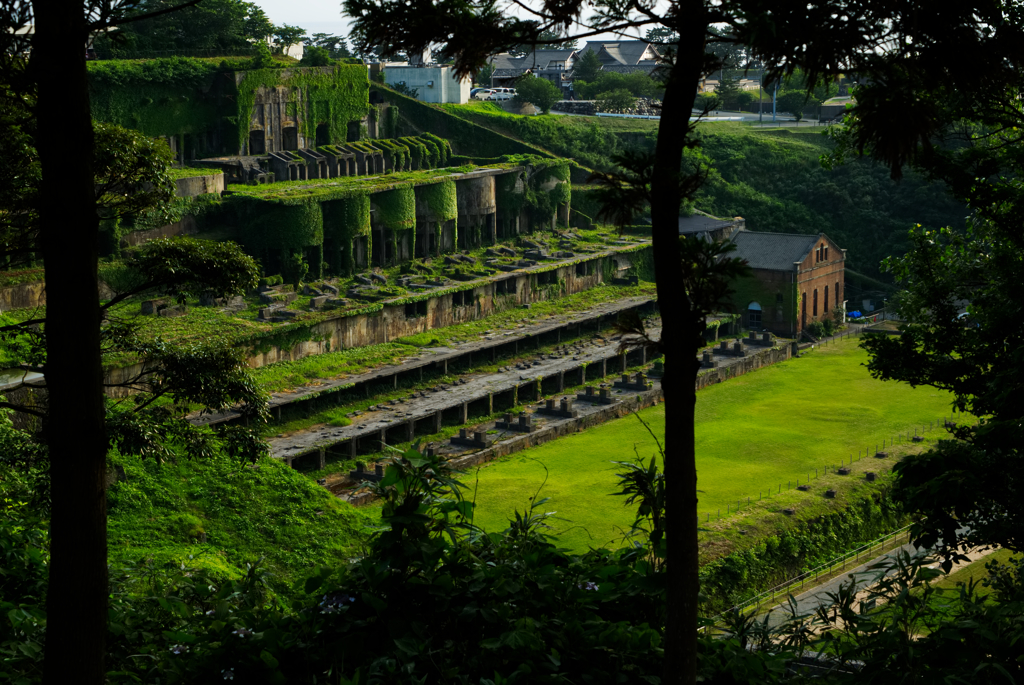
[588, 585]
[242, 632]
[178, 649]
[332, 604]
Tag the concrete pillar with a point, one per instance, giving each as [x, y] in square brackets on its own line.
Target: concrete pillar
[583, 375]
[604, 368]
[437, 421]
[494, 354]
[352, 448]
[394, 378]
[421, 373]
[515, 395]
[464, 414]
[643, 355]
[490, 403]
[288, 460]
[623, 358]
[322, 456]
[410, 426]
[277, 413]
[561, 381]
[383, 437]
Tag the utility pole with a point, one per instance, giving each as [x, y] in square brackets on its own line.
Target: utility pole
[760, 98]
[775, 95]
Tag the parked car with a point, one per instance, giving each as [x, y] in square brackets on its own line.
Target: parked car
[480, 93]
[474, 91]
[501, 94]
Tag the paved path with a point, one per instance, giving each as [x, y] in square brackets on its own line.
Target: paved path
[863, 577]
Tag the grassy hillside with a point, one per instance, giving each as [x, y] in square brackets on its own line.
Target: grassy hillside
[767, 428]
[221, 514]
[771, 177]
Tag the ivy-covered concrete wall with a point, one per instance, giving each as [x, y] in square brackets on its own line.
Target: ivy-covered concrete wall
[207, 110]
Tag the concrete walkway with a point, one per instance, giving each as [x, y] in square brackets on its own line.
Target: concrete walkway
[863, 578]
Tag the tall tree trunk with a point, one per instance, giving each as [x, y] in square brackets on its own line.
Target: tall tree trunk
[680, 328]
[76, 601]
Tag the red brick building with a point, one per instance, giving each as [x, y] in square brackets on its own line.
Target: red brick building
[796, 279]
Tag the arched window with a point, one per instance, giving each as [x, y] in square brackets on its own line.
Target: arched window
[814, 312]
[754, 315]
[824, 308]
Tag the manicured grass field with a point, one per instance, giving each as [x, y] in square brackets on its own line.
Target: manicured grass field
[767, 428]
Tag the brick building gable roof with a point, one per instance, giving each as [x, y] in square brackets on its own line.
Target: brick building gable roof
[773, 251]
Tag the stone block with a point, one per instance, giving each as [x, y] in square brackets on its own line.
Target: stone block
[870, 476]
[150, 307]
[267, 313]
[830, 493]
[317, 302]
[881, 455]
[176, 310]
[803, 488]
[844, 471]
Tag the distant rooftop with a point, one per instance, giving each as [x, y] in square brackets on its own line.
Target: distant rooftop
[773, 251]
[702, 223]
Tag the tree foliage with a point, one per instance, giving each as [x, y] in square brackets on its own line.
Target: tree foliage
[586, 67]
[539, 92]
[211, 25]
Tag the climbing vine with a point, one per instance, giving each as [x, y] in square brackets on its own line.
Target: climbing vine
[332, 95]
[396, 209]
[440, 199]
[158, 97]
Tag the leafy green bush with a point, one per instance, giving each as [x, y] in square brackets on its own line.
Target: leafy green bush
[539, 92]
[316, 56]
[618, 100]
[639, 84]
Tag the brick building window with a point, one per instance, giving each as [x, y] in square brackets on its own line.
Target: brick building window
[826, 252]
[824, 308]
[754, 315]
[814, 312]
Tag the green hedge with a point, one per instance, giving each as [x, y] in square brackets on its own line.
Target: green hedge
[776, 558]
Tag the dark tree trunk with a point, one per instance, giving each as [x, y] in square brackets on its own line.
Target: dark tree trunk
[76, 601]
[680, 328]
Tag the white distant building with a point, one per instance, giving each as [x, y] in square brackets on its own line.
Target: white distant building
[434, 83]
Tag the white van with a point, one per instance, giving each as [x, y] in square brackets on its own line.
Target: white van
[500, 94]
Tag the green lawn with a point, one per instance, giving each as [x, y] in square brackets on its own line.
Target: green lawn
[767, 428]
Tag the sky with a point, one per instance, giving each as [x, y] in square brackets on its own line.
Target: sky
[321, 16]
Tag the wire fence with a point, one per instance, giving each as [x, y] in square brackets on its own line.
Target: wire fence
[903, 438]
[853, 558]
[911, 436]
